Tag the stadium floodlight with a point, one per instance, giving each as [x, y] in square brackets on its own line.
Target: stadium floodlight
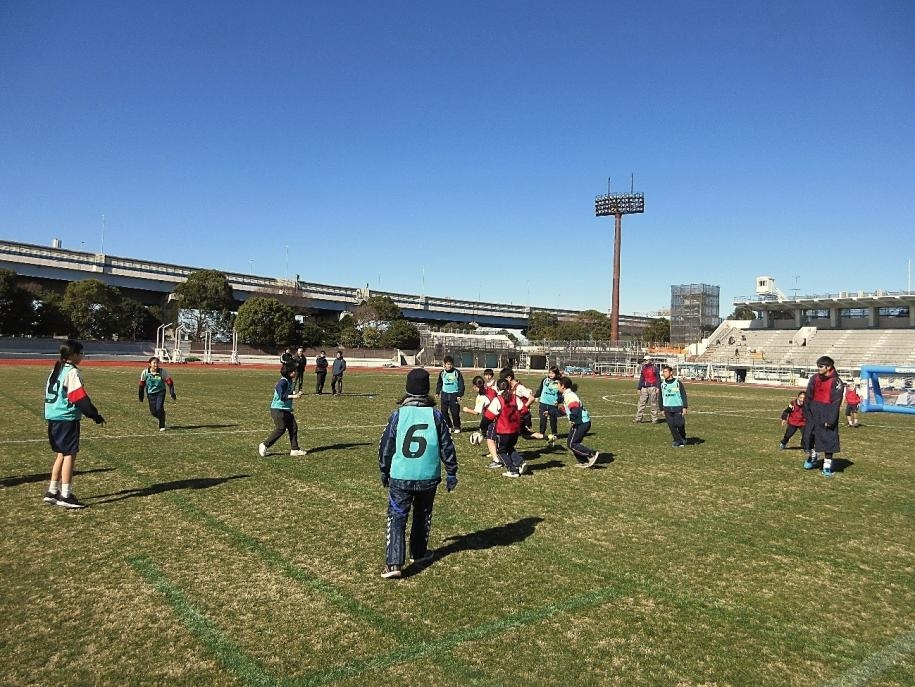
[617, 205]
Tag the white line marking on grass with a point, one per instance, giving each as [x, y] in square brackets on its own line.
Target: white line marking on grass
[177, 434]
[876, 663]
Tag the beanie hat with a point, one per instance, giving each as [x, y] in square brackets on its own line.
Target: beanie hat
[418, 382]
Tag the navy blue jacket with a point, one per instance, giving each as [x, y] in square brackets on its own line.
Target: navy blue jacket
[388, 446]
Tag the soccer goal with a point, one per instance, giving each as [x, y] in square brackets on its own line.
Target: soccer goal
[888, 389]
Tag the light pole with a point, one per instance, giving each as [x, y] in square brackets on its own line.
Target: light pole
[617, 204]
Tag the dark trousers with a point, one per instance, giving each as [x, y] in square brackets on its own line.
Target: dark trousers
[508, 454]
[677, 425]
[551, 414]
[576, 435]
[336, 384]
[157, 407]
[283, 421]
[789, 432]
[299, 373]
[320, 376]
[399, 503]
[451, 410]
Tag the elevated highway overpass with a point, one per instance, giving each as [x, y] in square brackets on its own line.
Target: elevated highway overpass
[152, 282]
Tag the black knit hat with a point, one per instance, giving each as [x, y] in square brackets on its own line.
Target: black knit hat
[418, 382]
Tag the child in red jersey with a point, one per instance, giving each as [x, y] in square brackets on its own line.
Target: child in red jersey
[852, 399]
[793, 420]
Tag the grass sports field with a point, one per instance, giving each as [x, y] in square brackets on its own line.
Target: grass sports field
[199, 563]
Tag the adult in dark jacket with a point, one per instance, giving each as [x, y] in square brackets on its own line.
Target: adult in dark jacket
[336, 381]
[414, 445]
[823, 402]
[301, 362]
[320, 372]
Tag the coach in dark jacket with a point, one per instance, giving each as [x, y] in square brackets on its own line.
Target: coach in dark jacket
[320, 372]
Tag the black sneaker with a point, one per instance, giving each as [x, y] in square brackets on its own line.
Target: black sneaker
[391, 572]
[70, 501]
[424, 559]
[51, 497]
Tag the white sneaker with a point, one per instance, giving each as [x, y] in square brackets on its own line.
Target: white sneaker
[161, 429]
[593, 459]
[298, 452]
[509, 473]
[456, 430]
[262, 450]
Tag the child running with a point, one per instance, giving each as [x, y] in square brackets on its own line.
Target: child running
[485, 394]
[414, 444]
[548, 396]
[65, 402]
[580, 421]
[672, 400]
[525, 400]
[852, 400]
[153, 381]
[504, 411]
[281, 413]
[793, 420]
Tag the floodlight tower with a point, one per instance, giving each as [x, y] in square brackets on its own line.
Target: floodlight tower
[617, 204]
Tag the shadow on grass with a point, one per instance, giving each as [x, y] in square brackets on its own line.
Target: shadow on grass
[491, 537]
[338, 447]
[16, 480]
[200, 426]
[537, 467]
[840, 464]
[603, 460]
[694, 441]
[196, 483]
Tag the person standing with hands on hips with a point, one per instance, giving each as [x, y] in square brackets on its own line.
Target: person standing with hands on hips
[153, 381]
[65, 402]
[414, 445]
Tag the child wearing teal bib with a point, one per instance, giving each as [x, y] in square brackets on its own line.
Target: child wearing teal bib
[414, 445]
[281, 413]
[65, 402]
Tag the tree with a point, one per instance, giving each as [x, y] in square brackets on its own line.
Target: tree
[265, 322]
[542, 326]
[310, 334]
[401, 334]
[570, 331]
[742, 312]
[49, 315]
[376, 310]
[371, 337]
[134, 320]
[349, 337]
[206, 303]
[658, 331]
[93, 308]
[596, 323]
[16, 313]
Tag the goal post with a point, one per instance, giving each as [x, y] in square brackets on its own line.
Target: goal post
[888, 388]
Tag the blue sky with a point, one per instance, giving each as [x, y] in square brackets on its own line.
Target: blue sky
[456, 149]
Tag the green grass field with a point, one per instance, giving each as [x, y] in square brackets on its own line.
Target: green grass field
[200, 563]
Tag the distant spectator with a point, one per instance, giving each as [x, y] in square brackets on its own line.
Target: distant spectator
[301, 362]
[648, 388]
[336, 381]
[320, 372]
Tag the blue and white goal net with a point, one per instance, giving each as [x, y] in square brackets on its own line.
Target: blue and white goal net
[888, 389]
